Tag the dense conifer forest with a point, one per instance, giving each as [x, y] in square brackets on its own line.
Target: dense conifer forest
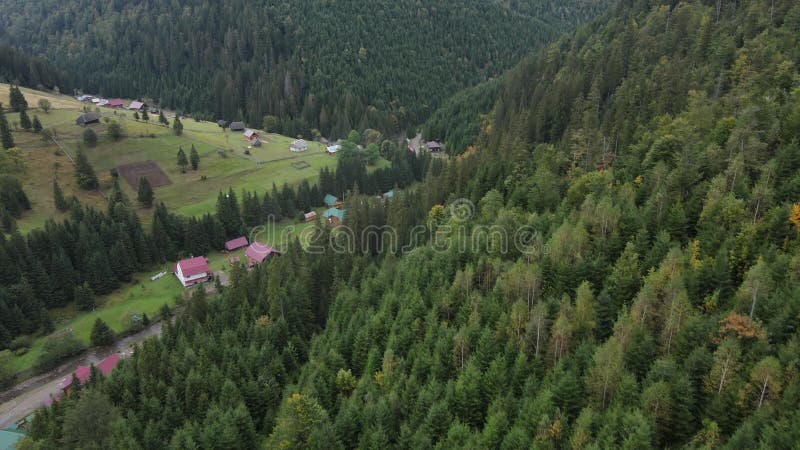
[327, 65]
[651, 158]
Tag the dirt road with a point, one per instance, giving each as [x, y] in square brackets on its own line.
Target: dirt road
[25, 397]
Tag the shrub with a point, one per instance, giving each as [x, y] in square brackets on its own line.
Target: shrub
[56, 348]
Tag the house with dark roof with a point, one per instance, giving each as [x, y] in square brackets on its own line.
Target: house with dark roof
[192, 271]
[255, 142]
[434, 146]
[257, 252]
[82, 373]
[235, 244]
[237, 126]
[87, 119]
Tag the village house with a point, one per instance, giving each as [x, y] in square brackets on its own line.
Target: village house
[310, 216]
[257, 252]
[237, 126]
[82, 373]
[332, 149]
[87, 118]
[331, 201]
[299, 145]
[249, 134]
[115, 103]
[137, 106]
[235, 244]
[434, 146]
[334, 216]
[84, 98]
[102, 102]
[192, 271]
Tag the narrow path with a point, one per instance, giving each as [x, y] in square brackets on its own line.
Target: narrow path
[28, 395]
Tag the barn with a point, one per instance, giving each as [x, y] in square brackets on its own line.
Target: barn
[87, 118]
[237, 126]
[257, 252]
[235, 244]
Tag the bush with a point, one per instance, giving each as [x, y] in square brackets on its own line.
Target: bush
[56, 349]
[89, 137]
[21, 342]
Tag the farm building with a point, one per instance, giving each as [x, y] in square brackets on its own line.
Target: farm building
[115, 103]
[257, 252]
[82, 373]
[434, 146]
[192, 271]
[237, 126]
[102, 102]
[256, 142]
[235, 244]
[97, 100]
[334, 216]
[250, 134]
[84, 98]
[137, 106]
[299, 145]
[310, 216]
[87, 118]
[222, 123]
[332, 149]
[331, 201]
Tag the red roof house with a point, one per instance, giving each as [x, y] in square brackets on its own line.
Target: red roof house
[235, 244]
[192, 271]
[82, 373]
[258, 252]
[115, 103]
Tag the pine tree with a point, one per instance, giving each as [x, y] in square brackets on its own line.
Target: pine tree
[145, 116]
[24, 120]
[84, 173]
[177, 126]
[182, 162]
[102, 335]
[37, 124]
[17, 100]
[5, 131]
[162, 118]
[194, 158]
[145, 193]
[58, 197]
[136, 115]
[89, 137]
[84, 297]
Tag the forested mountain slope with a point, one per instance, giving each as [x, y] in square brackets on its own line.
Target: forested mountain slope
[656, 304]
[330, 65]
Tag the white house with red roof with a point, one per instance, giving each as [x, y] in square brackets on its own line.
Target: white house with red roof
[257, 252]
[192, 271]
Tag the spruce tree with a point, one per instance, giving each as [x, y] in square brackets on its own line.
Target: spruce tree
[136, 115]
[194, 158]
[162, 118]
[145, 117]
[17, 100]
[84, 297]
[89, 137]
[84, 173]
[177, 126]
[24, 120]
[5, 131]
[145, 193]
[182, 161]
[102, 335]
[37, 124]
[58, 197]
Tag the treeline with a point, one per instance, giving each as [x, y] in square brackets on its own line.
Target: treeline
[384, 65]
[19, 67]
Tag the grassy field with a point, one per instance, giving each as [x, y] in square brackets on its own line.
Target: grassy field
[116, 309]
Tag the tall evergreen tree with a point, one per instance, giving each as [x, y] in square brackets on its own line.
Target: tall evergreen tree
[58, 197]
[145, 193]
[177, 126]
[84, 173]
[194, 158]
[5, 131]
[17, 100]
[84, 297]
[37, 124]
[102, 335]
[182, 161]
[24, 120]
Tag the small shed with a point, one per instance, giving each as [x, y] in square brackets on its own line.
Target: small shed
[87, 118]
[237, 126]
[310, 216]
[235, 244]
[250, 134]
[256, 142]
[434, 146]
[332, 149]
[222, 123]
[299, 145]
